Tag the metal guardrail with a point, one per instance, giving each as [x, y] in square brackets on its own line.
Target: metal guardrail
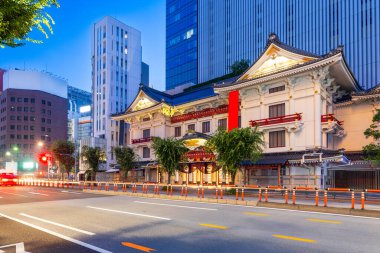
[320, 197]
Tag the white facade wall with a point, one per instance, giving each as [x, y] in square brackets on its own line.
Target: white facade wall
[116, 64]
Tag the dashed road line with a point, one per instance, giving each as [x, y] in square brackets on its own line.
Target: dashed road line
[37, 193]
[123, 212]
[292, 238]
[86, 245]
[190, 207]
[71, 192]
[58, 224]
[138, 247]
[256, 214]
[324, 221]
[213, 226]
[14, 194]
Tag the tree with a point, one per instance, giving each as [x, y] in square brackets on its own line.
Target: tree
[126, 158]
[238, 67]
[169, 152]
[63, 152]
[93, 157]
[372, 151]
[233, 147]
[19, 17]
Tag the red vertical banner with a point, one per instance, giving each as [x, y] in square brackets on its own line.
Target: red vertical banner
[233, 110]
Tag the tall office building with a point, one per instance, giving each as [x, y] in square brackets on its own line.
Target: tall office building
[116, 76]
[79, 114]
[232, 30]
[181, 42]
[144, 73]
[33, 112]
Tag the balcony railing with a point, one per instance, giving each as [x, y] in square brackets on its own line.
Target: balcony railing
[142, 140]
[200, 114]
[330, 117]
[276, 120]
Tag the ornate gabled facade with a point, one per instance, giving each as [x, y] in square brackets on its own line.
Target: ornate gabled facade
[293, 96]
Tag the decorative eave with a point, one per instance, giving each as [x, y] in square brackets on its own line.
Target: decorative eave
[125, 115]
[278, 75]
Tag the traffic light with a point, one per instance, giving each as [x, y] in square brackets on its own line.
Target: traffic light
[43, 158]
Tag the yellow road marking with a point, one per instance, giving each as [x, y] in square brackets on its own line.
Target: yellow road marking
[138, 247]
[294, 238]
[213, 226]
[325, 221]
[256, 214]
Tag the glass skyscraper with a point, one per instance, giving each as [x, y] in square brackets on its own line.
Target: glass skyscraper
[181, 42]
[231, 30]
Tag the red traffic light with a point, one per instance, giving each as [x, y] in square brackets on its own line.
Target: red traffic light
[43, 158]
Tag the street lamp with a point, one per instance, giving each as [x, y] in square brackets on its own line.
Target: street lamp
[15, 148]
[40, 144]
[8, 153]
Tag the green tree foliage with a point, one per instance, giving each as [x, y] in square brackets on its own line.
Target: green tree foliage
[238, 67]
[19, 17]
[93, 157]
[63, 152]
[126, 158]
[169, 153]
[372, 151]
[233, 147]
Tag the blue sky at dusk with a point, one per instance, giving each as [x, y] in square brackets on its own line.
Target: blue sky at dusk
[67, 52]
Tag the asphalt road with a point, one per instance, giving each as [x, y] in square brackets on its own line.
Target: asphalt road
[49, 220]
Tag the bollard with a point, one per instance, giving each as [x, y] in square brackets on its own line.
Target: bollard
[353, 200]
[242, 194]
[216, 192]
[124, 188]
[325, 199]
[221, 192]
[198, 192]
[260, 195]
[286, 196]
[266, 195]
[115, 188]
[186, 191]
[363, 199]
[146, 189]
[294, 197]
[91, 186]
[167, 189]
[99, 186]
[181, 191]
[203, 192]
[107, 187]
[171, 190]
[316, 198]
[237, 194]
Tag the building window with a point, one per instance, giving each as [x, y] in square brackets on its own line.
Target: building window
[276, 89]
[13, 99]
[206, 127]
[146, 133]
[177, 131]
[19, 99]
[277, 139]
[43, 101]
[26, 100]
[146, 152]
[222, 124]
[32, 100]
[49, 103]
[277, 110]
[191, 127]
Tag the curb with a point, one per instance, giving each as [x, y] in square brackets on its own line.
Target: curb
[164, 196]
[321, 209]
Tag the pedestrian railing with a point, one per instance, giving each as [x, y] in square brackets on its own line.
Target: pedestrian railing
[299, 195]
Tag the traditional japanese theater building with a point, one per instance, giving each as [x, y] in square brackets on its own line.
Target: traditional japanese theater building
[310, 108]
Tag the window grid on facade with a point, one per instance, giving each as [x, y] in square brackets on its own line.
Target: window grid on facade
[191, 127]
[146, 133]
[146, 152]
[277, 110]
[277, 139]
[206, 127]
[277, 89]
[177, 131]
[222, 124]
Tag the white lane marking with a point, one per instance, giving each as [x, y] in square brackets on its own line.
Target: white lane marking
[86, 245]
[37, 193]
[191, 207]
[271, 208]
[58, 224]
[14, 194]
[137, 214]
[71, 192]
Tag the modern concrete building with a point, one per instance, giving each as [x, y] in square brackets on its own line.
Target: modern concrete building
[116, 76]
[33, 111]
[231, 30]
[144, 73]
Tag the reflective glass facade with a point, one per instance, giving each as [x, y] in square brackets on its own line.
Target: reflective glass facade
[181, 42]
[231, 30]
